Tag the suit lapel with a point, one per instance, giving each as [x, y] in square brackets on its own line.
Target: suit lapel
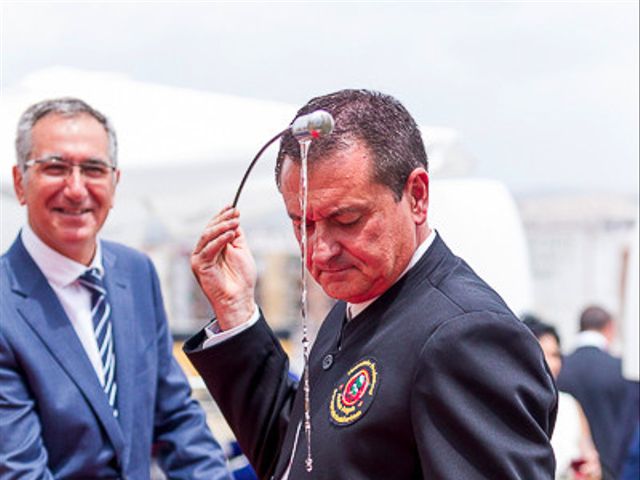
[43, 312]
[120, 293]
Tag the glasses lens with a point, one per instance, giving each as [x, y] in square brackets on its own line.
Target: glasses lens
[95, 169]
[59, 168]
[54, 167]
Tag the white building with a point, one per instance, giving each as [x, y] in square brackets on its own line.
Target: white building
[579, 247]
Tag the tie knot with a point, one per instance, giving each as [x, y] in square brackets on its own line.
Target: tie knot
[92, 279]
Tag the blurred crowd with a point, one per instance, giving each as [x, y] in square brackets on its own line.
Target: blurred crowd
[597, 428]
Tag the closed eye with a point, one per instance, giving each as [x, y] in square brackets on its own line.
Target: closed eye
[348, 219]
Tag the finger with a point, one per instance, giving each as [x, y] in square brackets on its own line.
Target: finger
[227, 212]
[224, 214]
[219, 225]
[209, 253]
[240, 239]
[213, 233]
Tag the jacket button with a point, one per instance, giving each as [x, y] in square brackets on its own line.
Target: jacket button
[327, 361]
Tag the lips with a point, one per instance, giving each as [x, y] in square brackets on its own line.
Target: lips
[332, 267]
[73, 212]
[333, 271]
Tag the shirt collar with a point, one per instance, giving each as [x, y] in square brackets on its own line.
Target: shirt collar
[59, 270]
[591, 338]
[354, 309]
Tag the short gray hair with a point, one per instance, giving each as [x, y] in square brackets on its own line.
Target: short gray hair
[68, 107]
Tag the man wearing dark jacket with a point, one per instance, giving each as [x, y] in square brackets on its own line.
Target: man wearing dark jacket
[594, 377]
[419, 371]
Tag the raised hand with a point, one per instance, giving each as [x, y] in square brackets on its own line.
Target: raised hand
[225, 269]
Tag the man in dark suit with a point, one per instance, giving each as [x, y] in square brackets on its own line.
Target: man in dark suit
[594, 377]
[428, 375]
[88, 384]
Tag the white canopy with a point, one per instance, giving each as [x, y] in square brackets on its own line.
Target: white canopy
[161, 125]
[183, 152]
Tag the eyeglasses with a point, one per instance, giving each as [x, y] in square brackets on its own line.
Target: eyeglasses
[57, 167]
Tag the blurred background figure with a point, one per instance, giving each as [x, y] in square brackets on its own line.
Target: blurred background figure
[594, 377]
[576, 455]
[631, 467]
[631, 349]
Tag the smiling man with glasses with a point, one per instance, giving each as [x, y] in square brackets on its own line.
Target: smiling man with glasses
[66, 207]
[88, 384]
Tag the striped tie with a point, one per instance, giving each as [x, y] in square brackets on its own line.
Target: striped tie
[100, 312]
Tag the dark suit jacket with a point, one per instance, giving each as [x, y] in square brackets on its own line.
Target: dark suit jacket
[55, 421]
[436, 379]
[610, 403]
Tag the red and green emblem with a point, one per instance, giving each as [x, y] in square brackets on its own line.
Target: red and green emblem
[354, 393]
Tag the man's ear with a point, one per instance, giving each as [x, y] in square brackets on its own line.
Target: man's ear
[116, 180]
[417, 191]
[18, 185]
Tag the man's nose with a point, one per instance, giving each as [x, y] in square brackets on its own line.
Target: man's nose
[322, 246]
[75, 185]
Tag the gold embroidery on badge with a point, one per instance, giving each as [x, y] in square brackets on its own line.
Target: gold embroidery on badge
[355, 391]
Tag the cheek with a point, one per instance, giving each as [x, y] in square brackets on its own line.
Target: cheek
[40, 194]
[373, 245]
[103, 196]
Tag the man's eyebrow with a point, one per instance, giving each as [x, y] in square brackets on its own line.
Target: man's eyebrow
[342, 210]
[335, 213]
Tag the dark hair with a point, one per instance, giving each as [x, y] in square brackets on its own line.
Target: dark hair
[594, 318]
[68, 107]
[540, 328]
[379, 121]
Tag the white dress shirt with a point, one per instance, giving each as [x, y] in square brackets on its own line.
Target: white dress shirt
[591, 338]
[62, 274]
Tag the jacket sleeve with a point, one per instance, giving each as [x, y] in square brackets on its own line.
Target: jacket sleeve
[248, 376]
[484, 402]
[22, 452]
[186, 447]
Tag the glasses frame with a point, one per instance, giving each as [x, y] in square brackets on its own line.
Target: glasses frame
[81, 165]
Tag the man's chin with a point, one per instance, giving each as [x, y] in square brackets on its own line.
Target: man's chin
[77, 238]
[345, 291]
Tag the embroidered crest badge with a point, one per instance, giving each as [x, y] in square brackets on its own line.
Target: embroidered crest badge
[354, 393]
